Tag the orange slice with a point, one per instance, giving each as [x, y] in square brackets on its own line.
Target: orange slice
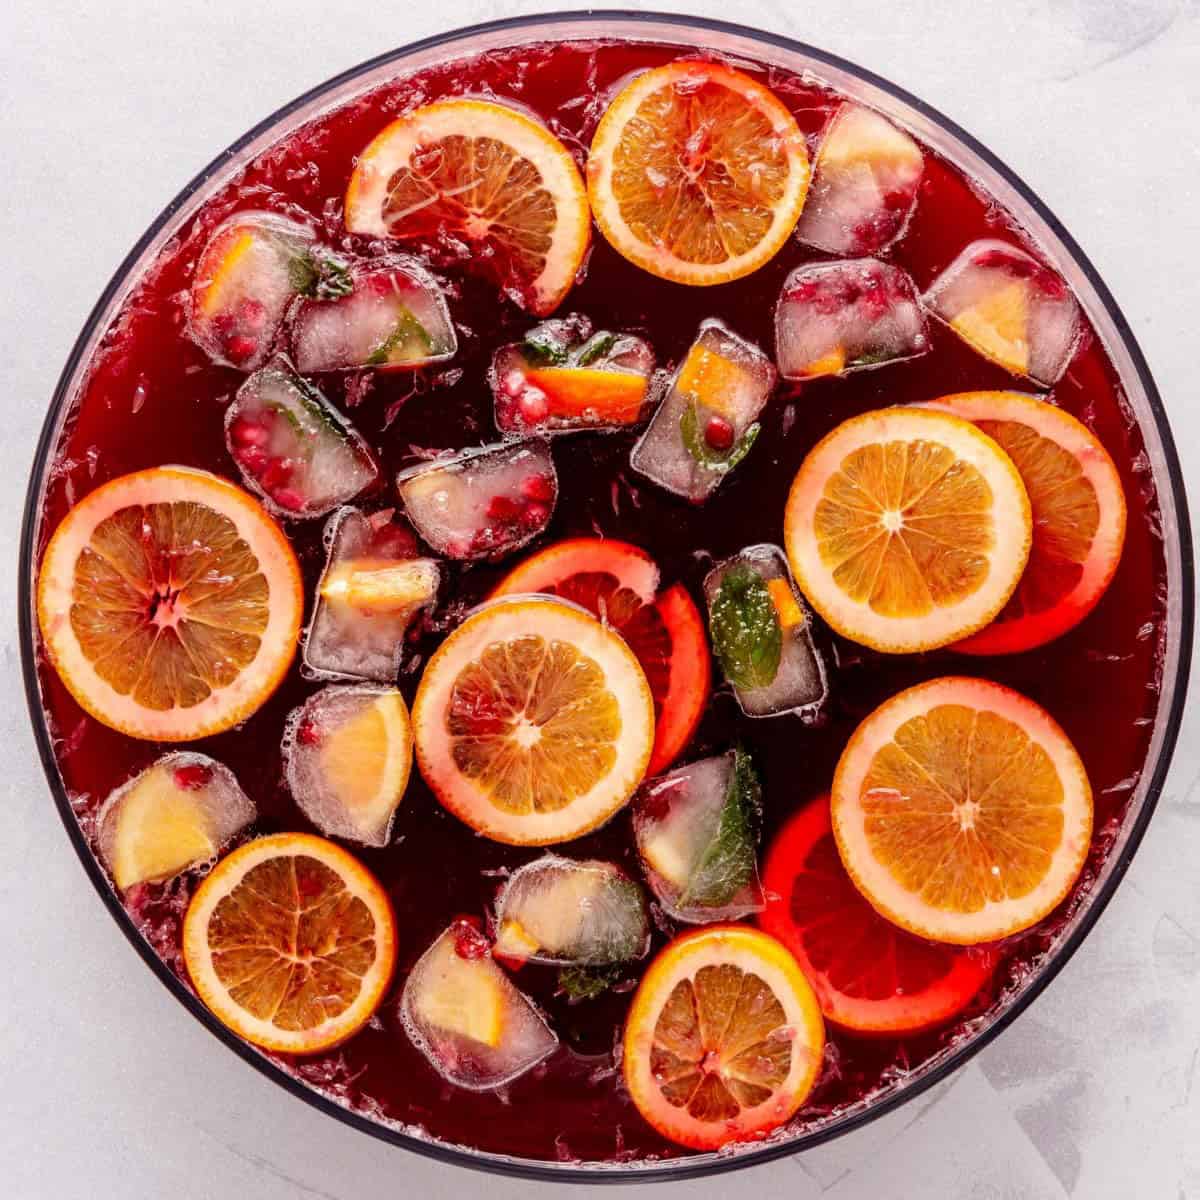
[697, 173]
[1078, 510]
[170, 604]
[613, 396]
[376, 586]
[533, 722]
[481, 172]
[998, 326]
[907, 529]
[291, 943]
[724, 1039]
[962, 811]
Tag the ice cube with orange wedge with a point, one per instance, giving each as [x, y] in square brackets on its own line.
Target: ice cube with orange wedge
[347, 752]
[469, 1020]
[865, 183]
[178, 813]
[707, 420]
[561, 911]
[566, 375]
[373, 587]
[1009, 307]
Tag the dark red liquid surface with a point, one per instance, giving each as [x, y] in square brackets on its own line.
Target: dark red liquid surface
[154, 398]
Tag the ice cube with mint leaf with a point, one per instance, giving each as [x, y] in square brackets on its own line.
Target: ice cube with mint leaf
[762, 635]
[697, 830]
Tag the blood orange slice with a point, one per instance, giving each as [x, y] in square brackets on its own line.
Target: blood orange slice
[869, 975]
[485, 174]
[962, 811]
[291, 943]
[619, 583]
[170, 604]
[724, 1039]
[1078, 509]
[697, 173]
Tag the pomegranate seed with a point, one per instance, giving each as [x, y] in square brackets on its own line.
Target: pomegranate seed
[277, 472]
[223, 323]
[393, 541]
[253, 458]
[512, 383]
[502, 508]
[718, 432]
[308, 734]
[533, 405]
[290, 499]
[254, 315]
[535, 515]
[241, 348]
[193, 777]
[469, 942]
[804, 291]
[538, 487]
[246, 432]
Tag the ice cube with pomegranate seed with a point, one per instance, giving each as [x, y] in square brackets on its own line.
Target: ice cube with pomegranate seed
[346, 754]
[373, 586]
[465, 1015]
[484, 502]
[864, 185]
[1010, 308]
[247, 276]
[557, 910]
[707, 420]
[293, 447]
[761, 632]
[696, 830]
[837, 317]
[394, 318]
[176, 814]
[566, 376]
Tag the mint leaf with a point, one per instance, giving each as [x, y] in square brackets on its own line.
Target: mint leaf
[746, 633]
[407, 327]
[728, 864]
[541, 349]
[319, 275]
[586, 983]
[870, 360]
[597, 348]
[703, 453]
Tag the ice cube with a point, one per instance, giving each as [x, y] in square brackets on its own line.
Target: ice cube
[395, 318]
[864, 184]
[838, 317]
[1011, 309]
[467, 1017]
[248, 274]
[707, 420]
[484, 502]
[293, 447]
[762, 634]
[557, 910]
[373, 586]
[347, 753]
[176, 814]
[696, 830]
[566, 376]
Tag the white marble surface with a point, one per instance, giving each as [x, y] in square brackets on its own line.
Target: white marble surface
[107, 1087]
